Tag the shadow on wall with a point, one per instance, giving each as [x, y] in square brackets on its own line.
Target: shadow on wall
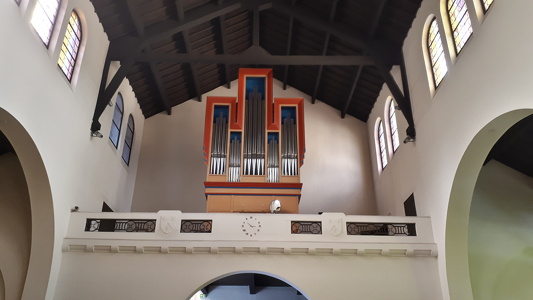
[457, 222]
[514, 280]
[40, 198]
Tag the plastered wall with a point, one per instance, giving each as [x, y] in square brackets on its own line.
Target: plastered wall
[500, 240]
[15, 227]
[56, 115]
[489, 78]
[336, 175]
[179, 276]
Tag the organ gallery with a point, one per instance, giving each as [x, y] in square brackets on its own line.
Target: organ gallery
[254, 147]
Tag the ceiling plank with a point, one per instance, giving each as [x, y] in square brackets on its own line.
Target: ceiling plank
[332, 13]
[224, 42]
[371, 33]
[126, 46]
[389, 51]
[258, 56]
[188, 49]
[136, 18]
[288, 52]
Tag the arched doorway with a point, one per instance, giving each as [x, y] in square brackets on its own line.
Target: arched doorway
[462, 193]
[41, 206]
[249, 285]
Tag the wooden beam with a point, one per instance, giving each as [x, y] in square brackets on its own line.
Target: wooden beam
[288, 52]
[258, 56]
[371, 33]
[126, 46]
[188, 49]
[358, 40]
[352, 91]
[223, 39]
[332, 13]
[139, 26]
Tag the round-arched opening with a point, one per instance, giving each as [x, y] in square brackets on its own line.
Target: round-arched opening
[40, 229]
[464, 190]
[248, 285]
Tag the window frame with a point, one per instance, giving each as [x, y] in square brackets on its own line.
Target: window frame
[66, 56]
[392, 125]
[128, 140]
[432, 63]
[53, 22]
[381, 147]
[486, 6]
[120, 108]
[457, 33]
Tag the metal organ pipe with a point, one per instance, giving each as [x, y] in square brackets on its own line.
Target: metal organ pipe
[289, 151]
[254, 141]
[218, 145]
[234, 160]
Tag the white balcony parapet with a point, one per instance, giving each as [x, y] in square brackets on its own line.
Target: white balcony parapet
[270, 234]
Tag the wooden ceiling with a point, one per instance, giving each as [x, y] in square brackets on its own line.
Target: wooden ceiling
[337, 51]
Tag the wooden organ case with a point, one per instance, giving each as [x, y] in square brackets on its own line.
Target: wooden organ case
[254, 147]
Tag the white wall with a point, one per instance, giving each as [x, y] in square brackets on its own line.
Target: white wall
[179, 276]
[335, 176]
[500, 239]
[490, 77]
[15, 227]
[57, 115]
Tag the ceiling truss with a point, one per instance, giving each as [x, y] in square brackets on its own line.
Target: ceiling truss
[368, 50]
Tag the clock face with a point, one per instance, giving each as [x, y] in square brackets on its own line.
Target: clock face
[251, 226]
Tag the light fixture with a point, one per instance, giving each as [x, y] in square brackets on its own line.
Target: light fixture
[408, 139]
[96, 133]
[275, 206]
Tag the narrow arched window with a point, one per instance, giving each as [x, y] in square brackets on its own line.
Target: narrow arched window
[460, 23]
[381, 150]
[128, 141]
[436, 53]
[44, 17]
[117, 120]
[393, 126]
[486, 4]
[71, 46]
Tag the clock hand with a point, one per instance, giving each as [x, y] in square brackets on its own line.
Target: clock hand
[250, 224]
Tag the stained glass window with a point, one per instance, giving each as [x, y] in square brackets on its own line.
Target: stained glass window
[71, 46]
[117, 120]
[393, 126]
[380, 139]
[128, 141]
[460, 23]
[487, 4]
[436, 53]
[44, 17]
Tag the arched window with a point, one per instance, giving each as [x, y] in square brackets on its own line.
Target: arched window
[393, 126]
[460, 23]
[117, 120]
[71, 46]
[380, 143]
[44, 17]
[128, 141]
[436, 53]
[486, 4]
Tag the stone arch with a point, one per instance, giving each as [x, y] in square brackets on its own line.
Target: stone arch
[42, 213]
[457, 267]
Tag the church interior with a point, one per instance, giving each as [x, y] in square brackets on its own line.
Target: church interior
[270, 149]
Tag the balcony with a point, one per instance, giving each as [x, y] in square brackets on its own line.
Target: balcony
[216, 233]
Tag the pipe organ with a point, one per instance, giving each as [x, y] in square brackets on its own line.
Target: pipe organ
[254, 147]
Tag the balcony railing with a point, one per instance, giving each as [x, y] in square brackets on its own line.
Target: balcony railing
[176, 232]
